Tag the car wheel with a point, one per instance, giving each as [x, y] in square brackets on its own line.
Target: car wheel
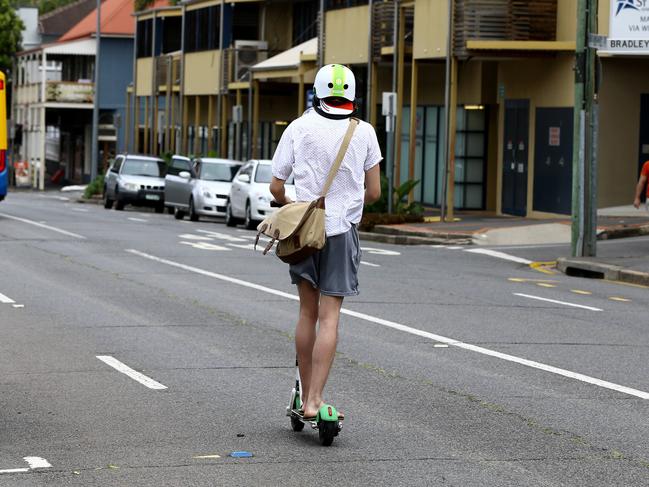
[170, 210]
[249, 223]
[230, 221]
[193, 216]
[178, 214]
[119, 205]
[108, 203]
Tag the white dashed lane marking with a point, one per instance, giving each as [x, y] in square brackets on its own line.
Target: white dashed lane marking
[133, 374]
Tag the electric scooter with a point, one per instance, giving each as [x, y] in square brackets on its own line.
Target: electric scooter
[327, 421]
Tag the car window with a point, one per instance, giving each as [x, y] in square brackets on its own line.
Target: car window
[247, 169]
[143, 167]
[265, 174]
[118, 164]
[177, 166]
[218, 172]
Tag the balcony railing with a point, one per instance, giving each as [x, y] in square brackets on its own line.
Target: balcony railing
[167, 71]
[383, 27]
[503, 20]
[69, 92]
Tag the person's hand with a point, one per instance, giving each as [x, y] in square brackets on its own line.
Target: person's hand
[636, 203]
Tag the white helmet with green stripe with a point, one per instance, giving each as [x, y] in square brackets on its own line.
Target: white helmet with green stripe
[335, 80]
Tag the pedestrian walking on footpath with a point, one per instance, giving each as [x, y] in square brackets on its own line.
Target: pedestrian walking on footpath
[642, 182]
[308, 148]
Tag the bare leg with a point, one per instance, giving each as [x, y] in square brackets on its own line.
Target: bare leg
[305, 332]
[324, 351]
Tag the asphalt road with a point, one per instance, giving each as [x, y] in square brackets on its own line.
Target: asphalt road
[454, 367]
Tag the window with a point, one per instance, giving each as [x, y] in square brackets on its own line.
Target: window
[335, 4]
[144, 38]
[144, 167]
[305, 21]
[202, 29]
[177, 166]
[245, 21]
[171, 28]
[211, 171]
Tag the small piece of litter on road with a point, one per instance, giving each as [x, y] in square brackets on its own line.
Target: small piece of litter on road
[18, 305]
[240, 435]
[113, 467]
[76, 472]
[241, 454]
[204, 457]
[622, 300]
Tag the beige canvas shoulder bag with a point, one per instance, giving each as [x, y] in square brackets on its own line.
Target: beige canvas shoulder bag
[299, 228]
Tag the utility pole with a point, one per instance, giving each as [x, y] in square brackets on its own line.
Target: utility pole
[95, 108]
[586, 123]
[391, 145]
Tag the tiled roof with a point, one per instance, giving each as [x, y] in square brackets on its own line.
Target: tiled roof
[62, 19]
[116, 19]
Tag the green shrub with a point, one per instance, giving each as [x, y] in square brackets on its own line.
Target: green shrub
[96, 186]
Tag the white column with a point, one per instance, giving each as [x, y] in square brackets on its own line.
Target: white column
[41, 179]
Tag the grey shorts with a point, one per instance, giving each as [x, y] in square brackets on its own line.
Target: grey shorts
[334, 269]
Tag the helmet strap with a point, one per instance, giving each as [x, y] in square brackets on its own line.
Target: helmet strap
[320, 111]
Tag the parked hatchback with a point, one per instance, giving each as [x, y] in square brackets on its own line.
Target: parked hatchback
[135, 180]
[250, 196]
[199, 188]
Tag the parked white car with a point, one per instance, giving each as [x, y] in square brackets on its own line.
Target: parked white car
[250, 196]
[199, 188]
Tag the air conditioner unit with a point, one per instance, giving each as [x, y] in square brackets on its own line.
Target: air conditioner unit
[246, 55]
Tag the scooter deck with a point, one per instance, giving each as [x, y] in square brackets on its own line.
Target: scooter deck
[297, 414]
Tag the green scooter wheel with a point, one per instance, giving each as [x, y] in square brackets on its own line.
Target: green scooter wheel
[296, 424]
[327, 430]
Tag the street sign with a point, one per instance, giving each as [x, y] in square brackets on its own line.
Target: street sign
[237, 113]
[596, 41]
[389, 103]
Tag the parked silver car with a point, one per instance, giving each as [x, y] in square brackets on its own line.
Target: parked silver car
[136, 180]
[199, 188]
[250, 196]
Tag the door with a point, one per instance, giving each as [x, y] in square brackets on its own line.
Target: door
[174, 183]
[111, 177]
[239, 191]
[553, 160]
[515, 156]
[643, 155]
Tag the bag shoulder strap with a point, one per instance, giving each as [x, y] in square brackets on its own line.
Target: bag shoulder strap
[353, 123]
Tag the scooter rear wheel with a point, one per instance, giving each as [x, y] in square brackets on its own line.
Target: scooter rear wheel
[327, 430]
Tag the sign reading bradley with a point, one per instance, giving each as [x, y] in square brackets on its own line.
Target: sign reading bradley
[629, 27]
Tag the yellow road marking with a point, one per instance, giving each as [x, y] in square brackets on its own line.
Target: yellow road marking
[202, 457]
[622, 300]
[545, 284]
[579, 291]
[435, 219]
[629, 284]
[544, 267]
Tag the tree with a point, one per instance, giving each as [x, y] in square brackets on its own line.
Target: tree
[11, 28]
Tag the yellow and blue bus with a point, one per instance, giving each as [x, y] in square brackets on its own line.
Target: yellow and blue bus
[4, 170]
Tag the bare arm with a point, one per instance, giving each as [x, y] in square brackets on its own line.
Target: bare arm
[373, 184]
[278, 191]
[638, 190]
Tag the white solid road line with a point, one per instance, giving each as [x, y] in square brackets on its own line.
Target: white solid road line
[41, 225]
[133, 374]
[6, 299]
[37, 462]
[222, 236]
[564, 303]
[137, 219]
[413, 331]
[369, 264]
[500, 255]
[15, 470]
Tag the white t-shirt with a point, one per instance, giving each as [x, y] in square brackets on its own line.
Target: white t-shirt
[308, 148]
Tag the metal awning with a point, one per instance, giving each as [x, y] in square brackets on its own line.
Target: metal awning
[83, 47]
[288, 63]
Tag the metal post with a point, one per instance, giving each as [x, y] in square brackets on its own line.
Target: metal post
[95, 107]
[447, 102]
[392, 134]
[219, 100]
[321, 35]
[370, 59]
[181, 95]
[584, 174]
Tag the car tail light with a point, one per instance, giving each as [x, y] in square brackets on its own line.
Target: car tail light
[3, 160]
